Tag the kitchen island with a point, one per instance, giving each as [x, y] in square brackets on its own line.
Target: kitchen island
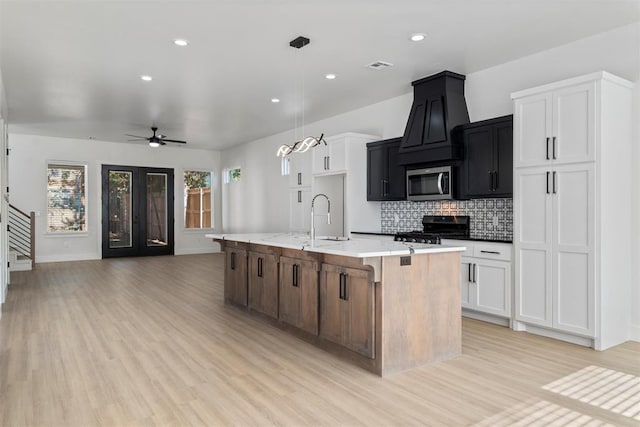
[386, 306]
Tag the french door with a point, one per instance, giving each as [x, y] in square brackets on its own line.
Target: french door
[137, 211]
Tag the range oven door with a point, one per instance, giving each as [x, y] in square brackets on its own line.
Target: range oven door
[429, 184]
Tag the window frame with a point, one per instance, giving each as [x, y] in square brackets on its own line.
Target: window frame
[72, 164]
[184, 207]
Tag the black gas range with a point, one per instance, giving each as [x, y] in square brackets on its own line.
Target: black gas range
[437, 227]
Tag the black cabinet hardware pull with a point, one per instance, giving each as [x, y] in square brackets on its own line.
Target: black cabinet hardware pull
[328, 162]
[547, 148]
[259, 267]
[470, 272]
[554, 148]
[554, 182]
[299, 178]
[490, 181]
[548, 182]
[491, 252]
[340, 289]
[295, 275]
[233, 260]
[299, 196]
[345, 292]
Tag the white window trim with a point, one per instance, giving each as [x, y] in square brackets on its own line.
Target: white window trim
[67, 233]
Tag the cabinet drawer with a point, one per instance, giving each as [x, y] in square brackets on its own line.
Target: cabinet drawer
[500, 251]
[465, 243]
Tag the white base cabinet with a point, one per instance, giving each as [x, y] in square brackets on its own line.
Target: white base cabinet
[572, 187]
[486, 278]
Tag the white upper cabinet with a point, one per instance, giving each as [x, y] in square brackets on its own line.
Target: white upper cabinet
[331, 158]
[300, 170]
[555, 127]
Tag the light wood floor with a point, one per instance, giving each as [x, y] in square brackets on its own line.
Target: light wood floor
[148, 342]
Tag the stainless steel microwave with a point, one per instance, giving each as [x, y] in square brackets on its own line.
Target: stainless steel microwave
[429, 184]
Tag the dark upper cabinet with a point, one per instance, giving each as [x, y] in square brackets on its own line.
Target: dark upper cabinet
[487, 168]
[385, 177]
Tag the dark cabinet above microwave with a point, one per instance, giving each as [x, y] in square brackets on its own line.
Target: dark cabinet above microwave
[385, 177]
[487, 168]
[438, 107]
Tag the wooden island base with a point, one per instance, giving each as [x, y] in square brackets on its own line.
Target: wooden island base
[386, 314]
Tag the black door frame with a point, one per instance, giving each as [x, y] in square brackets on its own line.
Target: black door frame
[139, 245]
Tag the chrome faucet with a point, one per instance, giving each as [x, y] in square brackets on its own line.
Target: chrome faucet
[313, 228]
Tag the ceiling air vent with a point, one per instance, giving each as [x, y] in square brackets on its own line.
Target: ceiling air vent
[379, 65]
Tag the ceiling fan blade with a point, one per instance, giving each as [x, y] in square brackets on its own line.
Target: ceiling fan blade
[139, 139]
[174, 140]
[135, 136]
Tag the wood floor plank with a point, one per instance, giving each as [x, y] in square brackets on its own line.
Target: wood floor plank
[149, 342]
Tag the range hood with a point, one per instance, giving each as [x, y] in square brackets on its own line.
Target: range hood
[438, 107]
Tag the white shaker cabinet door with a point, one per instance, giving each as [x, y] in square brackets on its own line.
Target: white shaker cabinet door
[574, 118]
[299, 210]
[574, 229]
[493, 287]
[533, 234]
[532, 130]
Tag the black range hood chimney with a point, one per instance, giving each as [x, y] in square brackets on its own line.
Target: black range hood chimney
[438, 107]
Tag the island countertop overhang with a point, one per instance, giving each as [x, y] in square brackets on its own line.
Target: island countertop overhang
[355, 248]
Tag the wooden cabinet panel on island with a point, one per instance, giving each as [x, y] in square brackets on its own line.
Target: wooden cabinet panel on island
[263, 283]
[235, 283]
[298, 293]
[347, 308]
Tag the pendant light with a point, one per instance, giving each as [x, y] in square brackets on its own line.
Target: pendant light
[304, 144]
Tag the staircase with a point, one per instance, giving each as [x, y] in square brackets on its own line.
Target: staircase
[21, 230]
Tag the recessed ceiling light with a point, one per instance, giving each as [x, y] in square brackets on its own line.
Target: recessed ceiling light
[418, 37]
[275, 100]
[146, 78]
[330, 76]
[180, 42]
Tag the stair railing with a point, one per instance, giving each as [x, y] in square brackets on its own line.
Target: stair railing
[22, 232]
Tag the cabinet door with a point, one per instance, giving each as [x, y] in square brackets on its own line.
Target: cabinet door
[532, 130]
[359, 293]
[574, 119]
[493, 287]
[320, 155]
[377, 172]
[299, 171]
[235, 279]
[298, 293]
[299, 209]
[396, 178]
[337, 157]
[478, 161]
[332, 306]
[533, 244]
[466, 283]
[503, 159]
[574, 248]
[263, 283]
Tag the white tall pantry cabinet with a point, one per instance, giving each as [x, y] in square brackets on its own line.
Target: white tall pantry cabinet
[572, 209]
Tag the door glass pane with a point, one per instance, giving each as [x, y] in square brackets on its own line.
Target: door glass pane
[157, 209]
[119, 209]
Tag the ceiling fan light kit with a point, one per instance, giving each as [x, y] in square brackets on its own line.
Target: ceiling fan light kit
[304, 144]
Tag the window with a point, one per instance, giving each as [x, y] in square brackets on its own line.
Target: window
[197, 199]
[66, 198]
[285, 166]
[232, 175]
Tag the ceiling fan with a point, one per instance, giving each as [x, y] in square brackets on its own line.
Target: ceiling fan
[155, 140]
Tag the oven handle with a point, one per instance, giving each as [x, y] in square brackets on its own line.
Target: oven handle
[440, 176]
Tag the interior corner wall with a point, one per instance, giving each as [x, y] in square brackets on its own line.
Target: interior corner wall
[635, 278]
[28, 189]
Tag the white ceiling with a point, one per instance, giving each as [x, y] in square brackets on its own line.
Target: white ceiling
[72, 68]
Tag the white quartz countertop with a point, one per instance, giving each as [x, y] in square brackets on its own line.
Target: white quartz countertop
[357, 248]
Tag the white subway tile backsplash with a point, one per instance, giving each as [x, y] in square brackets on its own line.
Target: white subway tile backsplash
[407, 216]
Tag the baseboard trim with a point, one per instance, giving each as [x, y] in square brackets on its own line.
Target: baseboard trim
[64, 258]
[195, 251]
[562, 336]
[490, 318]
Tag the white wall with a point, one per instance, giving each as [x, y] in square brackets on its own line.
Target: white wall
[4, 252]
[27, 178]
[487, 94]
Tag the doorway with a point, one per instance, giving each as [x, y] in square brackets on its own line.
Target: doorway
[137, 211]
